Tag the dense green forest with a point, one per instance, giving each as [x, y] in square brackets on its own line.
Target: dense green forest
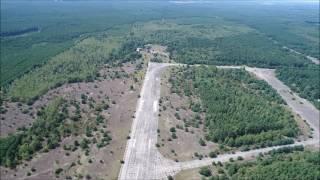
[279, 165]
[216, 41]
[190, 40]
[291, 24]
[62, 24]
[192, 36]
[251, 49]
[240, 110]
[304, 81]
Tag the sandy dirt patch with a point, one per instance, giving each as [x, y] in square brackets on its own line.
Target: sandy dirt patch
[119, 87]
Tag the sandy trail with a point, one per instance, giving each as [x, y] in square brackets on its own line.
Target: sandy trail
[312, 59]
[143, 160]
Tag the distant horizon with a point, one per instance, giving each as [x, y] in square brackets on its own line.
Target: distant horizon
[188, 1]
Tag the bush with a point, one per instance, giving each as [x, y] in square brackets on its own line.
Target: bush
[202, 142]
[58, 171]
[174, 136]
[212, 154]
[172, 129]
[286, 149]
[205, 171]
[239, 158]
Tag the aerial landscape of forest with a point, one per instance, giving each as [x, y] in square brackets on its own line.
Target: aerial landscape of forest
[159, 89]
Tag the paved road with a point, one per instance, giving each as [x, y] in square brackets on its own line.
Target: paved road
[142, 159]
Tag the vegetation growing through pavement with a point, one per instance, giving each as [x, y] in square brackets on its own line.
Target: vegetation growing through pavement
[304, 81]
[240, 110]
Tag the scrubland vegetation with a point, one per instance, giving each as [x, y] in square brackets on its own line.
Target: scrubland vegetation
[54, 123]
[240, 110]
[304, 81]
[45, 134]
[292, 164]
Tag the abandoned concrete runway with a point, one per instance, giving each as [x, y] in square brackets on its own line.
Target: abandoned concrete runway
[142, 160]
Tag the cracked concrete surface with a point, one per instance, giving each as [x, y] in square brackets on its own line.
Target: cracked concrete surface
[142, 160]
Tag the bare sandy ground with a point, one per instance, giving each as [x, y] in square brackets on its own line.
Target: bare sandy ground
[105, 161]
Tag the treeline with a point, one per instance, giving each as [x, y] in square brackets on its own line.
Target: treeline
[240, 110]
[290, 165]
[80, 63]
[19, 32]
[304, 81]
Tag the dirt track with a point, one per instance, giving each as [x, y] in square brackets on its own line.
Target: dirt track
[143, 160]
